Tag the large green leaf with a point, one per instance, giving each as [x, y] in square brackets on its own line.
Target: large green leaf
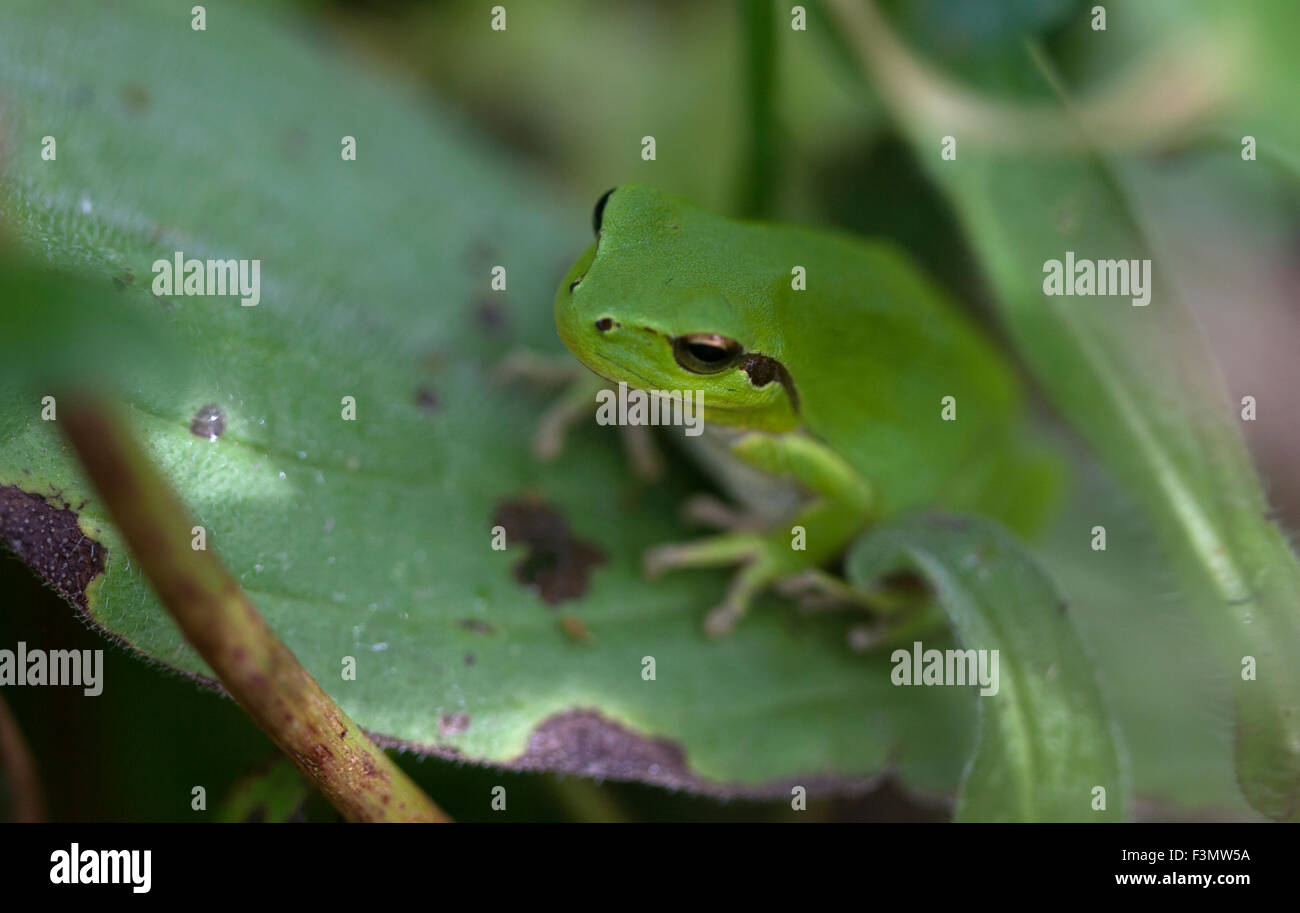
[1047, 747]
[371, 538]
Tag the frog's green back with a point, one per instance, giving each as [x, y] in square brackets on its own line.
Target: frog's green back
[878, 350]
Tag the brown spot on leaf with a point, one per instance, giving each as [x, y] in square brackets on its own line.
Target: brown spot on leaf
[453, 723]
[477, 626]
[135, 97]
[583, 742]
[586, 743]
[491, 316]
[574, 629]
[426, 399]
[48, 539]
[51, 543]
[557, 564]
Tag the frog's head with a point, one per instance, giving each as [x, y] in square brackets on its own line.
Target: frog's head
[649, 304]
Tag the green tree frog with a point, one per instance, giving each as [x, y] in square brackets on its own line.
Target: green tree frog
[831, 361]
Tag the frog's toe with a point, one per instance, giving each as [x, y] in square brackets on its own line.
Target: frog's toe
[659, 559]
[537, 369]
[553, 427]
[752, 578]
[815, 590]
[721, 621]
[706, 510]
[865, 638]
[643, 455]
[548, 440]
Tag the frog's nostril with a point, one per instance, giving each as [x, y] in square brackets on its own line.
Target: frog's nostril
[604, 324]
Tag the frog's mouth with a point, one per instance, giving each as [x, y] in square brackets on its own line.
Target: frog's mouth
[614, 372]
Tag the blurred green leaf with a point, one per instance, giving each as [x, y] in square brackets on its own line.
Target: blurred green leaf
[275, 793]
[1046, 740]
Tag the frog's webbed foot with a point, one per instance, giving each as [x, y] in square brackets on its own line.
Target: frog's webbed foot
[899, 607]
[576, 403]
[762, 561]
[768, 561]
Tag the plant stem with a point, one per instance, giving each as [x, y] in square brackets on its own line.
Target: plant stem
[758, 175]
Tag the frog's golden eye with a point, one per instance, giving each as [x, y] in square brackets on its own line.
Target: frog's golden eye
[600, 210]
[706, 353]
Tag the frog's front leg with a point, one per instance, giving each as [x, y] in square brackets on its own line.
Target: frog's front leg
[840, 508]
[576, 403]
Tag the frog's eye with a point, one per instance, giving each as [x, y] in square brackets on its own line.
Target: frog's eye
[706, 353]
[600, 210]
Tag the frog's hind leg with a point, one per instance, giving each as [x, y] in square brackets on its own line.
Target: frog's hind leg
[715, 551]
[575, 404]
[817, 590]
[752, 551]
[840, 507]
